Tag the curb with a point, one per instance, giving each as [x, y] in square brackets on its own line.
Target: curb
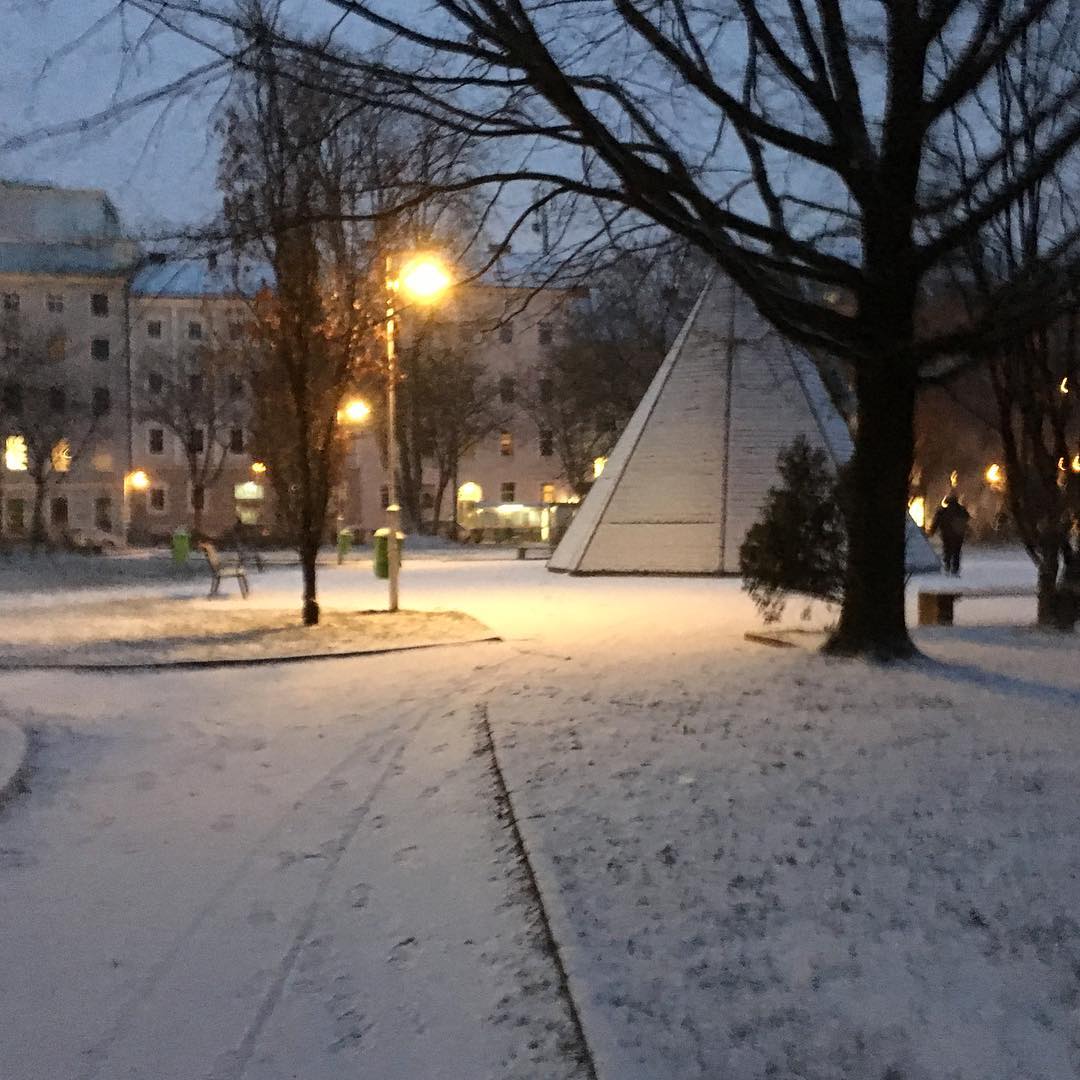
[14, 760]
[241, 661]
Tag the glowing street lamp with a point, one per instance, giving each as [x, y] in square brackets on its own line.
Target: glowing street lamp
[423, 278]
[258, 467]
[136, 480]
[354, 411]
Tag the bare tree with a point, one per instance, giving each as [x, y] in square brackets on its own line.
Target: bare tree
[200, 400]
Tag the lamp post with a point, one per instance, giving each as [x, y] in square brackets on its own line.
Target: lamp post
[425, 279]
[133, 481]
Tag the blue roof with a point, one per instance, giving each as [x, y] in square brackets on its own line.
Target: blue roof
[198, 278]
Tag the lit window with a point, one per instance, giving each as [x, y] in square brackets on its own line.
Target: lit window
[61, 456]
[506, 333]
[547, 443]
[153, 328]
[54, 302]
[506, 491]
[248, 491]
[470, 492]
[507, 390]
[194, 331]
[99, 304]
[156, 440]
[11, 301]
[506, 444]
[99, 349]
[15, 453]
[547, 493]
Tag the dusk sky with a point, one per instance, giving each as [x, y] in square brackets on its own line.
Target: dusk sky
[158, 166]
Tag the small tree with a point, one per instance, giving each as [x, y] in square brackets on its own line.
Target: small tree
[798, 545]
[201, 402]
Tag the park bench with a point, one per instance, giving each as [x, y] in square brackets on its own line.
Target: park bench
[219, 570]
[936, 605]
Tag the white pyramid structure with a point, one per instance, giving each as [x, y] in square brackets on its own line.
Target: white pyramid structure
[689, 475]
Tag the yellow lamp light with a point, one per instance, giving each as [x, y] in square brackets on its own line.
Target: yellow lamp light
[424, 278]
[354, 411]
[995, 475]
[138, 480]
[258, 467]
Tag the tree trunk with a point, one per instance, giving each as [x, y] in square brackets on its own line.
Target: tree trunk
[309, 552]
[1047, 589]
[38, 533]
[198, 502]
[872, 622]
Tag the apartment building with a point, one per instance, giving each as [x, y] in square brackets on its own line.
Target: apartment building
[109, 339]
[64, 271]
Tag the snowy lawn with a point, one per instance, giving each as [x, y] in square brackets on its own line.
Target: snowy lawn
[167, 630]
[760, 862]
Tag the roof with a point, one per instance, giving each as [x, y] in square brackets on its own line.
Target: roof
[41, 213]
[89, 259]
[200, 278]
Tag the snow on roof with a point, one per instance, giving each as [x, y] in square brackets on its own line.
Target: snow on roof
[191, 277]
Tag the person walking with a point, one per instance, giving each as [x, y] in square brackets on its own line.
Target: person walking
[951, 521]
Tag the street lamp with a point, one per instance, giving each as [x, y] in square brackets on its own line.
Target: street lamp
[138, 480]
[425, 279]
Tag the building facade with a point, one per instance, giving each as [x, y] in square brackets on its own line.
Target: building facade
[120, 361]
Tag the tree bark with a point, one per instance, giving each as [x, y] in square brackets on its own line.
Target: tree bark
[38, 532]
[309, 552]
[1047, 589]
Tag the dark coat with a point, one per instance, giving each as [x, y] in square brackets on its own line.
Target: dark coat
[952, 522]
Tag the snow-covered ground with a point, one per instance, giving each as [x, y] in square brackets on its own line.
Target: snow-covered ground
[760, 862]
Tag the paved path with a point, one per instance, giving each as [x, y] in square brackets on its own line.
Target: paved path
[265, 874]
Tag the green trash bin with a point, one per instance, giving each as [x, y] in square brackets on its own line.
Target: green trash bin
[381, 561]
[344, 544]
[181, 546]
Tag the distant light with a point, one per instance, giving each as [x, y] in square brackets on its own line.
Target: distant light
[1064, 387]
[510, 508]
[470, 492]
[424, 278]
[354, 411]
[917, 510]
[15, 459]
[954, 478]
[995, 475]
[598, 466]
[1075, 464]
[138, 480]
[258, 467]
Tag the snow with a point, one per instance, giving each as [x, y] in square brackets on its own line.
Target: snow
[758, 862]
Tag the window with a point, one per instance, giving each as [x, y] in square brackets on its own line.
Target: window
[153, 328]
[16, 516]
[547, 494]
[58, 512]
[155, 383]
[236, 386]
[103, 513]
[194, 330]
[546, 393]
[12, 399]
[384, 496]
[236, 441]
[506, 491]
[99, 349]
[547, 443]
[195, 384]
[57, 399]
[506, 333]
[15, 453]
[236, 331]
[11, 301]
[545, 334]
[56, 347]
[507, 390]
[156, 500]
[506, 444]
[99, 304]
[248, 491]
[61, 456]
[156, 440]
[54, 302]
[102, 401]
[197, 441]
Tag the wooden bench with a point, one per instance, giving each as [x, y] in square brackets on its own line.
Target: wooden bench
[936, 605]
[219, 570]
